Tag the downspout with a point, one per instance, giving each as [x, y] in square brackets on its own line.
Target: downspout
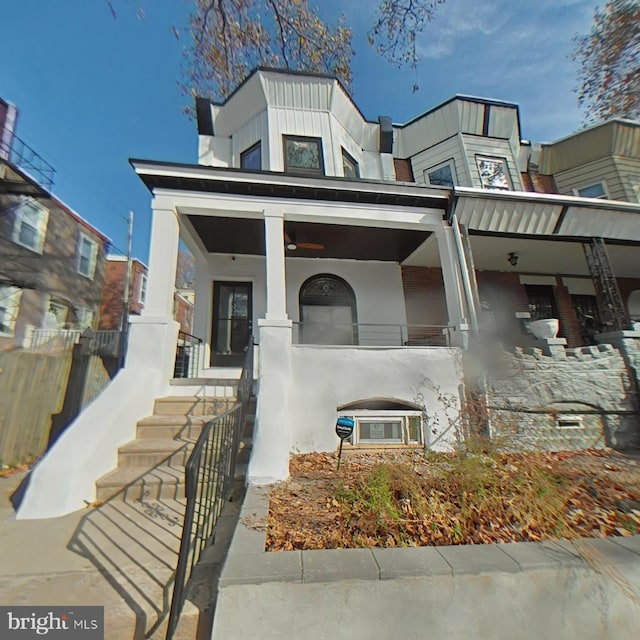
[464, 272]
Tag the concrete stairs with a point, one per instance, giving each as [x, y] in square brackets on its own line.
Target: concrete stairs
[152, 465]
[133, 534]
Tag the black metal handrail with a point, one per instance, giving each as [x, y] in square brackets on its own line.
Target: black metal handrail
[187, 355]
[209, 475]
[22, 155]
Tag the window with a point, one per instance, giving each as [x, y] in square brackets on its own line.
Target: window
[84, 317]
[30, 225]
[442, 175]
[303, 155]
[350, 168]
[142, 297]
[56, 316]
[494, 173]
[569, 422]
[251, 158]
[87, 254]
[596, 190]
[9, 307]
[387, 427]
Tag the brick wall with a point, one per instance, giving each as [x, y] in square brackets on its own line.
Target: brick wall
[404, 172]
[424, 298]
[569, 326]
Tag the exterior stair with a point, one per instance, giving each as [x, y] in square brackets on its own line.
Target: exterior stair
[152, 466]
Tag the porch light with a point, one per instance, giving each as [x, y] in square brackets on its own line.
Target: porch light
[513, 258]
[292, 246]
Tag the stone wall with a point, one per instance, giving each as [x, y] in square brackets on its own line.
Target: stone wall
[574, 398]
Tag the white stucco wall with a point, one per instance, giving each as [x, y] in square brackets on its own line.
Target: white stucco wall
[303, 386]
[324, 378]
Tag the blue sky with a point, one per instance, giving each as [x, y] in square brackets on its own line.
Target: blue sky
[93, 91]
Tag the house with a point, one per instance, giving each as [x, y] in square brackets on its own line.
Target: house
[113, 293]
[359, 258]
[51, 259]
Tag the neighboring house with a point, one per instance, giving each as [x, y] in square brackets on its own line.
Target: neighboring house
[51, 259]
[113, 294]
[361, 257]
[183, 301]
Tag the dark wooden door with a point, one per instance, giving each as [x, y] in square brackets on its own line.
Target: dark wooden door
[232, 324]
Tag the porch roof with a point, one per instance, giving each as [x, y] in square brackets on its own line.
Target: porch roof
[512, 213]
[195, 177]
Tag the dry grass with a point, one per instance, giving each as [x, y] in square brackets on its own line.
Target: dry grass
[480, 495]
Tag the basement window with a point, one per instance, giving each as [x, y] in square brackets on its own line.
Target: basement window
[569, 422]
[383, 428]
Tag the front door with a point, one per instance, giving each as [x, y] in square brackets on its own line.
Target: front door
[232, 313]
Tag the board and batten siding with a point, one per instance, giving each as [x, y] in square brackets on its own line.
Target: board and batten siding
[490, 148]
[585, 175]
[450, 149]
[256, 130]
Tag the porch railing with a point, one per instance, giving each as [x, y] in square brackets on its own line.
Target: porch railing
[372, 335]
[22, 155]
[187, 356]
[209, 475]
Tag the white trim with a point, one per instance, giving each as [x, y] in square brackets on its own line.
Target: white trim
[20, 218]
[93, 247]
[142, 291]
[381, 415]
[602, 183]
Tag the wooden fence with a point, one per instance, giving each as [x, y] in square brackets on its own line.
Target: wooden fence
[32, 388]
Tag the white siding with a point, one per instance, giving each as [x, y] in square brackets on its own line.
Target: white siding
[297, 92]
[491, 148]
[255, 130]
[447, 150]
[428, 131]
[603, 170]
[629, 169]
[296, 122]
[470, 116]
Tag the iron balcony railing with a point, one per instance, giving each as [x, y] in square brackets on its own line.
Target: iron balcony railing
[371, 335]
[187, 356]
[20, 154]
[209, 475]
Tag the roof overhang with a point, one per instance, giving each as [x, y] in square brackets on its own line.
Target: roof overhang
[551, 216]
[190, 177]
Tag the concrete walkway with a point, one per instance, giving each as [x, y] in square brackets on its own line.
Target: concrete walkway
[121, 555]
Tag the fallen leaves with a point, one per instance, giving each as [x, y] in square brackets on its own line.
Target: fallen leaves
[407, 498]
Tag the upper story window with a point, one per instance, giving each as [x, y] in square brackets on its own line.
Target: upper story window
[350, 168]
[9, 307]
[251, 158]
[84, 317]
[56, 316]
[303, 155]
[494, 173]
[442, 175]
[142, 296]
[30, 225]
[597, 190]
[87, 255]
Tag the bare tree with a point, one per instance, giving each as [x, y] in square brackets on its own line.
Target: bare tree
[609, 59]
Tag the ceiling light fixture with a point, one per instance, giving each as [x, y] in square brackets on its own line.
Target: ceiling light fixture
[292, 246]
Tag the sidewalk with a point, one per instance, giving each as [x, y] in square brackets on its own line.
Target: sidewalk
[121, 555]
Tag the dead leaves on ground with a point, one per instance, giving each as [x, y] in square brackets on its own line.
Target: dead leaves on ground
[407, 498]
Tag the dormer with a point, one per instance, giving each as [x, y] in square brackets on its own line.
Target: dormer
[602, 161]
[466, 141]
[296, 123]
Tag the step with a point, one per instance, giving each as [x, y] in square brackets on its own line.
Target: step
[171, 426]
[185, 405]
[138, 483]
[152, 452]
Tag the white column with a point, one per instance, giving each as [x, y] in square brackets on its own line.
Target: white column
[452, 285]
[276, 285]
[272, 437]
[163, 258]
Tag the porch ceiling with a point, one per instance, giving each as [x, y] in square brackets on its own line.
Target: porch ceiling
[244, 236]
[535, 256]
